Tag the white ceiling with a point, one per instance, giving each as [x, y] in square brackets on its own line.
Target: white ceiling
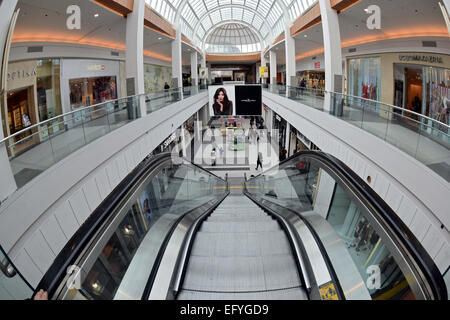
[399, 18]
[46, 19]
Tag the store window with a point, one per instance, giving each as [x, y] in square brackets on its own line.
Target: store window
[423, 90]
[89, 91]
[156, 76]
[437, 94]
[364, 77]
[48, 88]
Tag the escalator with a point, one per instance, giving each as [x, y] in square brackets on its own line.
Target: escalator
[309, 229]
[241, 253]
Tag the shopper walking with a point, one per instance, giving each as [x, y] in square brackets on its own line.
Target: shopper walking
[259, 161]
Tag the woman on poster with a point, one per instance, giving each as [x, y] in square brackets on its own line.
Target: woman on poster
[222, 105]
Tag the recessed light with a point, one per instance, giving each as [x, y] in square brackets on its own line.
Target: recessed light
[306, 36]
[159, 38]
[96, 15]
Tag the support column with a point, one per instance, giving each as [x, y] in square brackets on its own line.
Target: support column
[287, 138]
[290, 53]
[194, 69]
[177, 63]
[203, 66]
[263, 64]
[7, 182]
[134, 57]
[183, 140]
[333, 51]
[273, 67]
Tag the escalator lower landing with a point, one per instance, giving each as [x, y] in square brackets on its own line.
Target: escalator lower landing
[240, 253]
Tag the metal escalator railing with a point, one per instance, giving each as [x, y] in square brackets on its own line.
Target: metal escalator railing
[116, 252]
[388, 122]
[372, 252]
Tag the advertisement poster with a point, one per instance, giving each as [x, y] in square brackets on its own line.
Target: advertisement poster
[222, 100]
[248, 100]
[232, 100]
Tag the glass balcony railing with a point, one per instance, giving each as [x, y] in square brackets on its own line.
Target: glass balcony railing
[119, 248]
[372, 252]
[13, 284]
[36, 148]
[423, 138]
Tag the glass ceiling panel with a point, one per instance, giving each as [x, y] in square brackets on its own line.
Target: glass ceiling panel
[271, 15]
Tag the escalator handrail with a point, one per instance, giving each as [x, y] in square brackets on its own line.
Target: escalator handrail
[323, 252]
[71, 251]
[400, 229]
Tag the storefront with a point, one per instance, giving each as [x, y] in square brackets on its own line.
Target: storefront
[155, 77]
[423, 89]
[414, 81]
[280, 124]
[33, 95]
[86, 82]
[298, 142]
[314, 79]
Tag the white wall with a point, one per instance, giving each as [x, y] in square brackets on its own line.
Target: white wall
[38, 220]
[387, 46]
[67, 50]
[419, 196]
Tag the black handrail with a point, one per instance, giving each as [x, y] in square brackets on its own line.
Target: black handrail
[57, 271]
[384, 211]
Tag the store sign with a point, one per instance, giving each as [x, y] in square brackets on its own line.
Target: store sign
[278, 118]
[420, 58]
[169, 140]
[22, 74]
[317, 65]
[264, 72]
[96, 67]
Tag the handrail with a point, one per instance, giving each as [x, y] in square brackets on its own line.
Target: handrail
[54, 275]
[71, 251]
[383, 211]
[374, 101]
[118, 100]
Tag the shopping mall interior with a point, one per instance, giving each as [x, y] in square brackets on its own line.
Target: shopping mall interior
[225, 150]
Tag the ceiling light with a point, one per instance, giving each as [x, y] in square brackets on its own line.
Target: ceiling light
[159, 38]
[96, 15]
[306, 36]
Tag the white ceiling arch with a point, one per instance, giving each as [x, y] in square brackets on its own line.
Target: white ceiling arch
[196, 17]
[226, 22]
[234, 19]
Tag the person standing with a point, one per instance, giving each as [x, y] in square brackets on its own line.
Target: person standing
[259, 161]
[213, 156]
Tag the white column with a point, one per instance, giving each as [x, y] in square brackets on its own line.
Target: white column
[177, 63]
[290, 53]
[263, 64]
[183, 140]
[198, 125]
[273, 67]
[7, 183]
[194, 68]
[287, 137]
[333, 52]
[203, 65]
[134, 60]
